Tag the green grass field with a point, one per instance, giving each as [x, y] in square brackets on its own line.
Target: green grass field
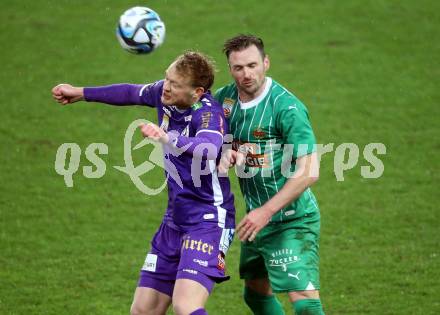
[367, 70]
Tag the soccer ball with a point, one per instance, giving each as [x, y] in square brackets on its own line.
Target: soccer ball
[140, 30]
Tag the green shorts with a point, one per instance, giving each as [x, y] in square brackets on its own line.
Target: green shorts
[286, 253]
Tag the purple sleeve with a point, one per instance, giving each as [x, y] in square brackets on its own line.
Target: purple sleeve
[150, 94]
[208, 140]
[115, 94]
[126, 94]
[205, 145]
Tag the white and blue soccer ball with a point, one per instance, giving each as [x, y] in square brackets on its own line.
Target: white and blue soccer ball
[140, 30]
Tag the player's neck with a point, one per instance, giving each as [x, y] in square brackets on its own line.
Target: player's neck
[183, 107]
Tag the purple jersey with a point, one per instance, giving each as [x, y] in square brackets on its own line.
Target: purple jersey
[197, 196]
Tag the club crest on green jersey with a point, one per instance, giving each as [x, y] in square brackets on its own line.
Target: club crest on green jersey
[228, 103]
[258, 133]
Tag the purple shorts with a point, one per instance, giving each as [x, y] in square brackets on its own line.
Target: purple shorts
[198, 255]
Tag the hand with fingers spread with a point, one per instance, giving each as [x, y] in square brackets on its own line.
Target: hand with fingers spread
[252, 223]
[67, 94]
[154, 132]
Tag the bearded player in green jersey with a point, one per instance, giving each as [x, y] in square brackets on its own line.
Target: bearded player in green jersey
[273, 137]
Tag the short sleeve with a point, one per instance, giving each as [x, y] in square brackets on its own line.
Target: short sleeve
[296, 129]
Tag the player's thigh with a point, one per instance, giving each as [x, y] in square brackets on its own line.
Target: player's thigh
[253, 269]
[160, 266]
[252, 265]
[291, 256]
[202, 256]
[158, 274]
[148, 301]
[188, 296]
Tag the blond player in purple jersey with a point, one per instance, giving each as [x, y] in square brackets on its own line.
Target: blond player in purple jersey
[187, 252]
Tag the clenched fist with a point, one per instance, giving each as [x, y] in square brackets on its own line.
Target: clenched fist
[67, 94]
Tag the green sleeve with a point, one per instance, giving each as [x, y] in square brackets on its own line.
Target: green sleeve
[296, 129]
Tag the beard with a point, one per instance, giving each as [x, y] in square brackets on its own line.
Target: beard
[172, 101]
[251, 87]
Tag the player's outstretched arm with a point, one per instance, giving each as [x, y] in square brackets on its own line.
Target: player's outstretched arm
[115, 94]
[67, 94]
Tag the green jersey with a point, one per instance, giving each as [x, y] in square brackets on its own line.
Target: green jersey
[273, 130]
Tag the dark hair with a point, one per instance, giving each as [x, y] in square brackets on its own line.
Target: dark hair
[241, 42]
[198, 66]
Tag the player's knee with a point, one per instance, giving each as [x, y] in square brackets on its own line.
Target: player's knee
[137, 309]
[182, 307]
[185, 307]
[262, 304]
[308, 307]
[251, 296]
[260, 286]
[300, 295]
[147, 309]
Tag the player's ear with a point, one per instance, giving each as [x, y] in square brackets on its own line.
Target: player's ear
[198, 92]
[266, 62]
